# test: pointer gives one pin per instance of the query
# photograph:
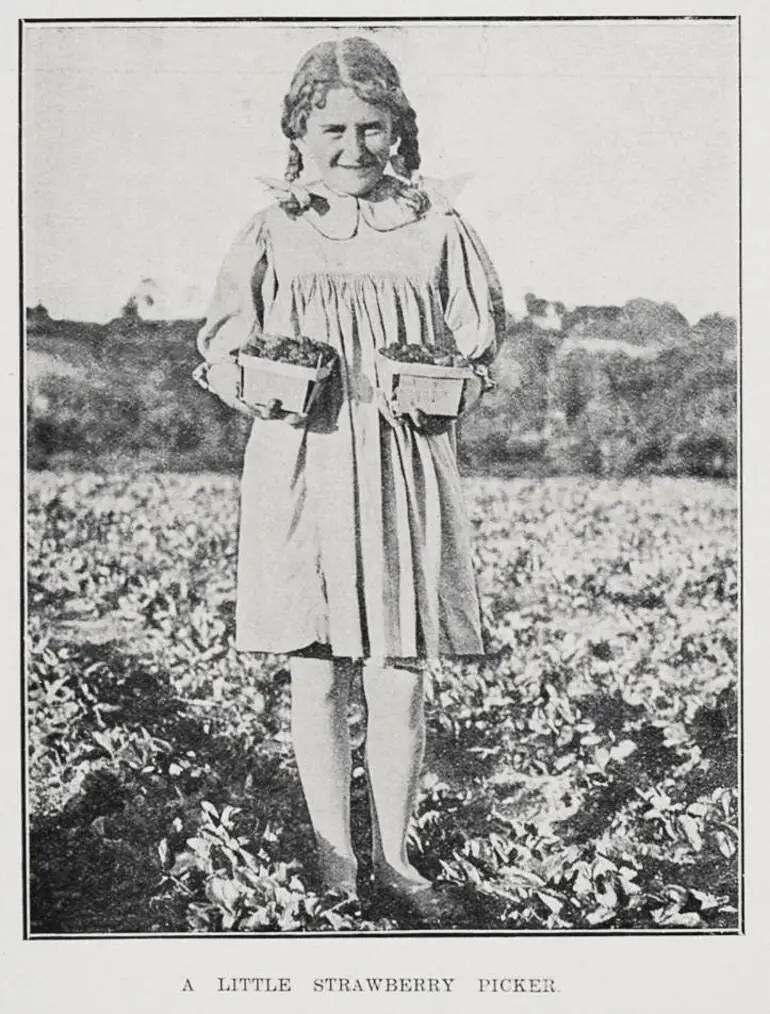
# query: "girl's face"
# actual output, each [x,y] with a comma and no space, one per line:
[349,140]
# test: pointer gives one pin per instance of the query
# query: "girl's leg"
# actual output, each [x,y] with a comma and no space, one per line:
[320,690]
[395,744]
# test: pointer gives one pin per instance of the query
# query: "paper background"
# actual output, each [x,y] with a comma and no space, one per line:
[603,975]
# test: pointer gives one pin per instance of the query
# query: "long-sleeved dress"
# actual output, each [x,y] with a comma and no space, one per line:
[353,532]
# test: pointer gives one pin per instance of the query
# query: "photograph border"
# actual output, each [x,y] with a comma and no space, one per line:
[310,21]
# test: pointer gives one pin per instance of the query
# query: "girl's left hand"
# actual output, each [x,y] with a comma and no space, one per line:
[431,424]
[428,424]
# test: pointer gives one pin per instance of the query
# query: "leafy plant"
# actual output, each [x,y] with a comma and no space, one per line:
[582,775]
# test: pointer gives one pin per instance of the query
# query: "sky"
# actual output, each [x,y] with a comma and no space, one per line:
[600,158]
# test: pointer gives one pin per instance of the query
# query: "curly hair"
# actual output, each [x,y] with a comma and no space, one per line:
[353,63]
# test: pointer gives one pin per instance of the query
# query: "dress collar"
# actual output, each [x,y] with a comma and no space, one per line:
[390,205]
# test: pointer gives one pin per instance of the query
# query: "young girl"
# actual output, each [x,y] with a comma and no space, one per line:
[354,546]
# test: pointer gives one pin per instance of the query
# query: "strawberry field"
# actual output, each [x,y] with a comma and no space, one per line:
[583,776]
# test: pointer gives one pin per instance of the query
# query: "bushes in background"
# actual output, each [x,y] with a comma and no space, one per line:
[588,391]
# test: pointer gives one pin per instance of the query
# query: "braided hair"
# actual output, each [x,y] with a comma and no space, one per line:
[358,64]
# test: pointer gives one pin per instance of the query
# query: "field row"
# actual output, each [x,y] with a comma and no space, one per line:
[583,775]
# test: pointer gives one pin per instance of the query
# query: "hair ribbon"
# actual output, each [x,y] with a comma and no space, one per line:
[287,192]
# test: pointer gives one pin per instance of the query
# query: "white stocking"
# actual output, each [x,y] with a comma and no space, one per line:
[395,744]
[320,690]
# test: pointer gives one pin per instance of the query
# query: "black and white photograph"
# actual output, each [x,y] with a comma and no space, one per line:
[381,480]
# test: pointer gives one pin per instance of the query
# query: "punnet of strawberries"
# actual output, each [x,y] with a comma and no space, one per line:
[296,351]
[430,355]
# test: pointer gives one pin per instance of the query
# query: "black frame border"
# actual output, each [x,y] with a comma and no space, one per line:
[310,22]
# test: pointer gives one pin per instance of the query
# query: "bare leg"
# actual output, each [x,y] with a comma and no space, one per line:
[320,689]
[395,744]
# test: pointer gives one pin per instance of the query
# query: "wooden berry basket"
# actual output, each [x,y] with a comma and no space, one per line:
[434,390]
[264,380]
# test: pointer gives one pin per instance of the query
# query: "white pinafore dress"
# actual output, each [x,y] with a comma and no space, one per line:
[353,532]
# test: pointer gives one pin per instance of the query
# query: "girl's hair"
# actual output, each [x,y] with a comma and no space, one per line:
[353,63]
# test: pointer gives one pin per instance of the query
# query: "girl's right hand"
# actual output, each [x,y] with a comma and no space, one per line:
[221,378]
[273,410]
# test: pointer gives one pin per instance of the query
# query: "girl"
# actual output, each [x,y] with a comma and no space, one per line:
[354,546]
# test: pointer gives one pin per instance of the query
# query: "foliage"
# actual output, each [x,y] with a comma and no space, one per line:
[101,396]
[583,775]
[608,391]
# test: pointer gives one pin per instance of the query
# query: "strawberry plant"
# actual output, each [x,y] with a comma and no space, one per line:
[582,775]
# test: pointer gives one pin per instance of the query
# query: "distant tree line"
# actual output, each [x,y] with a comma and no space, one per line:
[610,391]
[600,390]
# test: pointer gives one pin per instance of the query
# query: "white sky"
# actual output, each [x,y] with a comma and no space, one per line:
[604,155]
